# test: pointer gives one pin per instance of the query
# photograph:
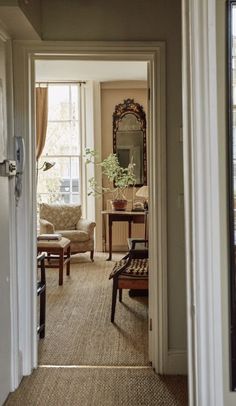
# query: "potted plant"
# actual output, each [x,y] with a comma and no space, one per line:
[119,178]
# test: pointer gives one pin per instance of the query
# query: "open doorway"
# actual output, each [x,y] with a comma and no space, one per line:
[82,96]
[163,360]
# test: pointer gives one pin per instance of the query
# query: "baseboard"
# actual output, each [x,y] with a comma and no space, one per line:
[176,363]
[118,248]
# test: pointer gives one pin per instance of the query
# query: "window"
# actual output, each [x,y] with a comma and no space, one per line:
[62,183]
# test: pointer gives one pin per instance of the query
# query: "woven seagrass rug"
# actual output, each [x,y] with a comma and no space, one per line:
[78,327]
[99,387]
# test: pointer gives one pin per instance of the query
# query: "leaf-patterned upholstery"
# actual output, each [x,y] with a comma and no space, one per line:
[66,219]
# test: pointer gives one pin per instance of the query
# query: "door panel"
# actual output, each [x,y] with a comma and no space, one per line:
[5,321]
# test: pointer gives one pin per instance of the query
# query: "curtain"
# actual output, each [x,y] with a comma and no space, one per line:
[41,119]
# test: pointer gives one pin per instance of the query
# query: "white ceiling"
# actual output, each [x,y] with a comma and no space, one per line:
[90,70]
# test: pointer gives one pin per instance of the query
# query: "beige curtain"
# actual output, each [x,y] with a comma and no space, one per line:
[41,119]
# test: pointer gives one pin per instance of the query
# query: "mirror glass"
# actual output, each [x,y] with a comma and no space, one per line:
[232,182]
[129,137]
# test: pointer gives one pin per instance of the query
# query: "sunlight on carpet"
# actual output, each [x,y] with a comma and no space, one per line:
[78,327]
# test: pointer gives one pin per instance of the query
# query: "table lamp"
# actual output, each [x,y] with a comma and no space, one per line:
[143,192]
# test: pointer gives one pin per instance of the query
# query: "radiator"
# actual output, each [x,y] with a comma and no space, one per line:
[120,233]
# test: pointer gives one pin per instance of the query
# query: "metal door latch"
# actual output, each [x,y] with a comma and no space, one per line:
[8,168]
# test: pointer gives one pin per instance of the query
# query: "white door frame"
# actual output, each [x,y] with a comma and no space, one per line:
[202,203]
[25,54]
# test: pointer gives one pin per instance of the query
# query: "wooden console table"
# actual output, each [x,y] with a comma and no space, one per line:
[127,216]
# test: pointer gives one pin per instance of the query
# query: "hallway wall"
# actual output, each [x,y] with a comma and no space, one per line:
[141,21]
[113,93]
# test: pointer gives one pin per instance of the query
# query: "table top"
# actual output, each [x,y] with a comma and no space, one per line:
[124,212]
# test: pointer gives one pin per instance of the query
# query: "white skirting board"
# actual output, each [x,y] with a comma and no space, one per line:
[176,363]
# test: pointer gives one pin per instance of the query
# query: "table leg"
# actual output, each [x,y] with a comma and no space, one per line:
[129,228]
[61,263]
[110,239]
[68,263]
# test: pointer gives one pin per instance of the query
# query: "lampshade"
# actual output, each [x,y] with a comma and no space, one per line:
[143,192]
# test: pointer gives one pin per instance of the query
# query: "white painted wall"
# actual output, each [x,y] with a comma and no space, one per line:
[132,21]
[5,315]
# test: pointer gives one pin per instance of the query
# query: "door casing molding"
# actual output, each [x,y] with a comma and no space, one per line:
[202,203]
[25,53]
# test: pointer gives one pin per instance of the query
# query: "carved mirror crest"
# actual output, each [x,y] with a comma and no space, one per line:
[129,138]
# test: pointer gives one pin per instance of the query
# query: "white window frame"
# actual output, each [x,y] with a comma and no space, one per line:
[51,157]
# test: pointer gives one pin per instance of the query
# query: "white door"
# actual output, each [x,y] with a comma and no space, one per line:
[5,321]
[5,298]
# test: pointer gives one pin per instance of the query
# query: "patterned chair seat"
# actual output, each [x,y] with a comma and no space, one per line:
[131,272]
[136,268]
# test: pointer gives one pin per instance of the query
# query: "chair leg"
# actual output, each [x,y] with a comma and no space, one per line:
[120,295]
[61,265]
[91,255]
[114,294]
[68,263]
[42,313]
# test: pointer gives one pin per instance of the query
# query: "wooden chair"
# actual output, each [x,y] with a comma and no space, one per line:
[131,272]
[41,292]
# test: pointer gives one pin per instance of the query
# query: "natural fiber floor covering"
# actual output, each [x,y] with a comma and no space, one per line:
[99,387]
[78,327]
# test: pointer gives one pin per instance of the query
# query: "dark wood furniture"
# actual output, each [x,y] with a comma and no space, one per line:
[130,273]
[59,249]
[126,216]
[41,292]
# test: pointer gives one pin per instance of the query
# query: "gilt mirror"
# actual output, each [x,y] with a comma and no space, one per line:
[129,138]
[232,182]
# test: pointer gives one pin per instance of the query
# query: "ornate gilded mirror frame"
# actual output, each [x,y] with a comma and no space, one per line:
[122,110]
[231,63]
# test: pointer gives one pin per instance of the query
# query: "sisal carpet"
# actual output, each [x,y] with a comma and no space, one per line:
[99,387]
[78,327]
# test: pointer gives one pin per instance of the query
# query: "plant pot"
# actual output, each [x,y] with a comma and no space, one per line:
[119,204]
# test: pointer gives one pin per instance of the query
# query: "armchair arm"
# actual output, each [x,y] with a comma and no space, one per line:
[86,225]
[46,227]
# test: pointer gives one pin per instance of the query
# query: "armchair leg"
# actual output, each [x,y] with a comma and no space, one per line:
[120,295]
[114,294]
[91,255]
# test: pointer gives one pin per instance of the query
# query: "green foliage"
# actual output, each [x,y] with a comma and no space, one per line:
[119,178]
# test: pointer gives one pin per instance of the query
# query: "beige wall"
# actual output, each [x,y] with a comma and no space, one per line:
[114,93]
[136,20]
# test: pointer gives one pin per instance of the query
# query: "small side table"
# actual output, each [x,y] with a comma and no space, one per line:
[61,250]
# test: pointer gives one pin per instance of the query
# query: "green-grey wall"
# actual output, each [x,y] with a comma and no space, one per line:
[32,10]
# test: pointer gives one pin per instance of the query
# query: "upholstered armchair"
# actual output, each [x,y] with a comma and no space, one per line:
[66,219]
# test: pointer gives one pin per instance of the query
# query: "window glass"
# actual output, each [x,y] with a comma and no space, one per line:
[61,183]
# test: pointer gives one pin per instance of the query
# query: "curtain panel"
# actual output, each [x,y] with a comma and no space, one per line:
[41,119]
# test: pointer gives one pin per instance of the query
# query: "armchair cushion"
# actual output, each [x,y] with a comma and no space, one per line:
[63,217]
[74,235]
[46,227]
